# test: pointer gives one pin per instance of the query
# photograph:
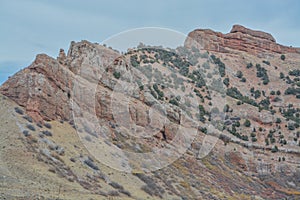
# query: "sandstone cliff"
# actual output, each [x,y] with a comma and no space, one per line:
[239,38]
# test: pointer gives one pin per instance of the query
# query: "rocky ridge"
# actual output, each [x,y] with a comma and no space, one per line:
[82,83]
[239,38]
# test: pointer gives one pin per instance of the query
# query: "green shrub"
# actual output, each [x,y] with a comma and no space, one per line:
[262,73]
[278,120]
[292,91]
[158,91]
[249,65]
[19,110]
[47,133]
[174,102]
[226,82]
[134,61]
[26,133]
[266,62]
[30,127]
[247,123]
[239,74]
[116,185]
[47,125]
[117,75]
[272,92]
[274,149]
[295,72]
[28,118]
[89,162]
[221,65]
[282,57]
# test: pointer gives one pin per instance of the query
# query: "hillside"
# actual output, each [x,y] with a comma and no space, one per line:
[217,118]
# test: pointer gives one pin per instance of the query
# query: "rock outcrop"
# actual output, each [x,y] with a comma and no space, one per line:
[239,38]
[45,88]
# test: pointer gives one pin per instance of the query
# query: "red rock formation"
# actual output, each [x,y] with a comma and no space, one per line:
[239,38]
[45,88]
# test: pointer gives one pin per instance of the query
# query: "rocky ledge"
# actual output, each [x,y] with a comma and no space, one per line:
[240,38]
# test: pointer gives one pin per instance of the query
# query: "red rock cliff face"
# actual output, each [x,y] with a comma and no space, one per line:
[239,38]
[45,88]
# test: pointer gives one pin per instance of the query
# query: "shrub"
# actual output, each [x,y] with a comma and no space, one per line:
[26,133]
[134,61]
[267,141]
[150,187]
[19,110]
[117,75]
[158,91]
[174,102]
[262,73]
[249,65]
[272,92]
[39,125]
[226,108]
[125,192]
[116,185]
[226,82]
[148,190]
[245,138]
[220,64]
[47,133]
[257,94]
[113,193]
[266,62]
[274,149]
[29,119]
[47,125]
[91,164]
[295,72]
[278,92]
[239,74]
[30,127]
[292,91]
[291,126]
[247,123]
[282,57]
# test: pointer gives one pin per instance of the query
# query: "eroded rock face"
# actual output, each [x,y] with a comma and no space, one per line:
[43,89]
[47,85]
[258,34]
[239,38]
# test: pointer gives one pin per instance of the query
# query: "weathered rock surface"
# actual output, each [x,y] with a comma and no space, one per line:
[46,86]
[239,38]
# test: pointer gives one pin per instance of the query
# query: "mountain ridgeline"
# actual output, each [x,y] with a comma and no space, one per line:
[216,118]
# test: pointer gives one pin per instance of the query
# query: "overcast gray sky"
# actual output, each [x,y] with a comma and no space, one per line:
[29,27]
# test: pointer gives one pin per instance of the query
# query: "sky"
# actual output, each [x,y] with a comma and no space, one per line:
[30,27]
